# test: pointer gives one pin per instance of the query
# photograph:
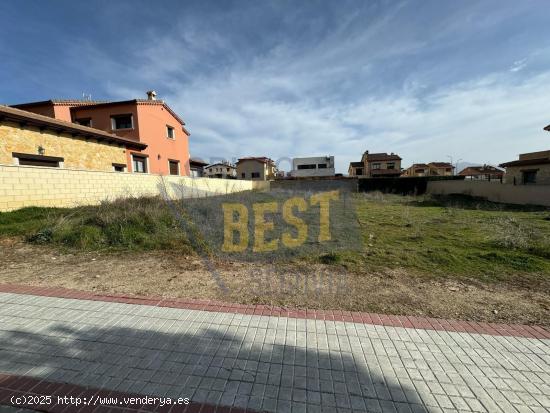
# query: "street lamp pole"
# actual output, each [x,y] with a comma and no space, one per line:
[451,158]
[456,164]
[456,167]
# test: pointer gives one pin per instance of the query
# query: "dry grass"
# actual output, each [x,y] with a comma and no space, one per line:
[509,232]
[174,275]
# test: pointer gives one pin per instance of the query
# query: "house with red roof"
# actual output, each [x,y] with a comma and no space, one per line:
[417,169]
[376,165]
[482,173]
[441,169]
[256,168]
[430,169]
[150,122]
[34,140]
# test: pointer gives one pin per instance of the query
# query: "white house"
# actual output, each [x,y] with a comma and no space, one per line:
[313,166]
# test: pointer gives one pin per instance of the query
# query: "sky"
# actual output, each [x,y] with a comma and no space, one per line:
[428,80]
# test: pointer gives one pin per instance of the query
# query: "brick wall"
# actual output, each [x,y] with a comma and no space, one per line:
[22,186]
[77,152]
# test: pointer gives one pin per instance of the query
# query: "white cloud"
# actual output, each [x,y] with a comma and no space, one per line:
[337,96]
[491,119]
[518,65]
[487,120]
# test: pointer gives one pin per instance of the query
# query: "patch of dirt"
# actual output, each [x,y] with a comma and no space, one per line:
[288,285]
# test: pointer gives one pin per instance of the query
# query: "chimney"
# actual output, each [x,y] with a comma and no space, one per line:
[151,95]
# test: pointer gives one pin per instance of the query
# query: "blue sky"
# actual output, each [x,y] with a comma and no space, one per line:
[425,79]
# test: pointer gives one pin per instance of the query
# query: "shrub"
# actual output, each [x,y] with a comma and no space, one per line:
[41,237]
[330,258]
[130,223]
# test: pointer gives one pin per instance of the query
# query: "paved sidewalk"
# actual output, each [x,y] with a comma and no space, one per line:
[267,363]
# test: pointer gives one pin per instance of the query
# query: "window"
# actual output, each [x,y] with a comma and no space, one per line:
[84,122]
[27,159]
[529,177]
[375,166]
[310,166]
[139,163]
[170,133]
[390,165]
[243,175]
[119,167]
[174,167]
[420,171]
[227,169]
[255,174]
[359,171]
[122,122]
[322,166]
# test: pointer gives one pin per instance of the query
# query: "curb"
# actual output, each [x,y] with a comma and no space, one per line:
[427,323]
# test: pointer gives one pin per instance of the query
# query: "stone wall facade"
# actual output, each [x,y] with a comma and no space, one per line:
[77,152]
[514,174]
[22,186]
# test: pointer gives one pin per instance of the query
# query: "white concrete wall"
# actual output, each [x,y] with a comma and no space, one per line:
[510,194]
[22,186]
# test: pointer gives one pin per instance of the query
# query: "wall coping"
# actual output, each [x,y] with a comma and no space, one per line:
[95,171]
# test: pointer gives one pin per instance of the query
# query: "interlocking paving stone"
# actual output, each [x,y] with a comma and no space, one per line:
[270,363]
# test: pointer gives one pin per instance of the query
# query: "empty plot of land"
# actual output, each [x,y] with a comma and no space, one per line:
[414,256]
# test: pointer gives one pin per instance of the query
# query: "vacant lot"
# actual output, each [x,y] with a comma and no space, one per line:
[452,258]
[455,237]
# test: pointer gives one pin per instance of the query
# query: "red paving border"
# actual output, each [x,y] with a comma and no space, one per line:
[14,390]
[515,330]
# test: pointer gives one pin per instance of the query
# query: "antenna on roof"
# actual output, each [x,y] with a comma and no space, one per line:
[86,96]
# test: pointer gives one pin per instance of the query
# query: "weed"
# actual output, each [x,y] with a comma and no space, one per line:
[508,232]
[424,235]
[43,236]
[438,237]
[374,196]
[330,258]
[130,223]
